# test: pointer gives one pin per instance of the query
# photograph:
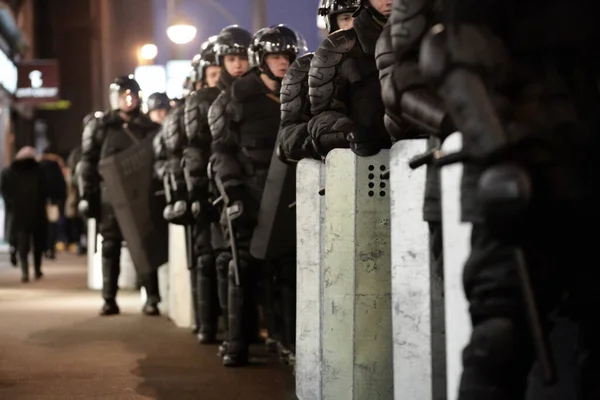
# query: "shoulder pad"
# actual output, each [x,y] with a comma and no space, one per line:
[333,48]
[298,71]
[216,112]
[408,24]
[384,52]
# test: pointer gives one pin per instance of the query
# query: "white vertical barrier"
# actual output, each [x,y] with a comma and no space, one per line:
[411,278]
[356,305]
[457,236]
[310,215]
[127,277]
[180,290]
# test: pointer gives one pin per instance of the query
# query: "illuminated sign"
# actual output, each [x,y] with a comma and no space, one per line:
[38,81]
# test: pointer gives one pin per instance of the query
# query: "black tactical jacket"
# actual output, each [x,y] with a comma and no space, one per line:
[244,122]
[345,92]
[108,136]
[294,141]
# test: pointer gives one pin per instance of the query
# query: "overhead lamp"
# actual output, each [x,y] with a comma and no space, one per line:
[148,52]
[181,31]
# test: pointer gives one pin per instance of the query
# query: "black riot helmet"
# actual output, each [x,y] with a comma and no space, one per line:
[158,101]
[232,40]
[278,39]
[125,85]
[206,58]
[329,9]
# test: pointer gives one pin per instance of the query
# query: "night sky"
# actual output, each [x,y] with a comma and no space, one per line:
[300,15]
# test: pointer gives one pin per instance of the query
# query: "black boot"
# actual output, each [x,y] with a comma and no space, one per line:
[13,256]
[235,360]
[151,309]
[110,307]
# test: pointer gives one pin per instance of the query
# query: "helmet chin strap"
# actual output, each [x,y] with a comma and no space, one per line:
[264,68]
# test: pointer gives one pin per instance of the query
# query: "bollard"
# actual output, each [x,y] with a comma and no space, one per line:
[457,239]
[180,290]
[356,305]
[310,215]
[417,297]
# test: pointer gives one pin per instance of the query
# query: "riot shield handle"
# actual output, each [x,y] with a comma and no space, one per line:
[234,211]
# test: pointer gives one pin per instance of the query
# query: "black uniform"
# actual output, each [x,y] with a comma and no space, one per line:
[103,138]
[527,105]
[294,141]
[344,89]
[244,123]
[208,244]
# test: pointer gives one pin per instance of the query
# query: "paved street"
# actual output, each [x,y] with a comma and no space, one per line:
[54,346]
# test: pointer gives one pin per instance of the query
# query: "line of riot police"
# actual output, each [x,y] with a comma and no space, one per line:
[526,109]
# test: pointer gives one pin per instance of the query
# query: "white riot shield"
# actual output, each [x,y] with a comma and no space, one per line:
[457,236]
[411,276]
[180,291]
[356,305]
[310,217]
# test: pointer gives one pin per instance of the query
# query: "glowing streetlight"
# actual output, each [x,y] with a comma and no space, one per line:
[181,31]
[148,52]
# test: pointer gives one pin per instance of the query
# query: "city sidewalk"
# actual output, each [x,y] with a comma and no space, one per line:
[53,346]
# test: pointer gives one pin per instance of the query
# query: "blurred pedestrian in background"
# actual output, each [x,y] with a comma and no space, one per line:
[74,222]
[24,190]
[53,165]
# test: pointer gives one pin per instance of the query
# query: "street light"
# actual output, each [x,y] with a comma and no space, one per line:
[148,52]
[181,31]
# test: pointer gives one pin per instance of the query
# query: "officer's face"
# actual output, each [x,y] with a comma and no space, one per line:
[158,116]
[383,6]
[236,65]
[212,75]
[128,101]
[344,21]
[278,64]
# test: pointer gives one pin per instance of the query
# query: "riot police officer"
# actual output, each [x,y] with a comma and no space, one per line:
[244,133]
[526,103]
[159,105]
[413,110]
[294,141]
[206,230]
[344,86]
[231,50]
[114,132]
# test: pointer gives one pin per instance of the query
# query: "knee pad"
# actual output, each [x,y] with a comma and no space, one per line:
[110,247]
[492,346]
[222,263]
[206,265]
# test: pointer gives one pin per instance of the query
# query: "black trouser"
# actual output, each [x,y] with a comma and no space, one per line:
[284,304]
[207,297]
[25,239]
[111,259]
[75,229]
[242,311]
